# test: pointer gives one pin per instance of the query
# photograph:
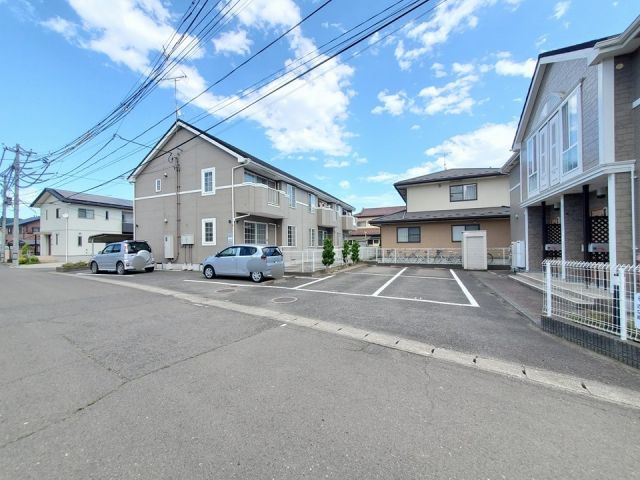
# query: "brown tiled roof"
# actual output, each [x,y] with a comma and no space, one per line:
[379,211]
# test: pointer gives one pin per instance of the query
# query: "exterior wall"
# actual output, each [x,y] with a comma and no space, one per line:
[561,79]
[491,192]
[573,227]
[77,227]
[152,208]
[623,219]
[517,212]
[438,234]
[29,233]
[534,239]
[625,129]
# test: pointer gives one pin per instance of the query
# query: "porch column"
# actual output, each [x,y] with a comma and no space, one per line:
[611,210]
[534,217]
[623,220]
[586,215]
[573,227]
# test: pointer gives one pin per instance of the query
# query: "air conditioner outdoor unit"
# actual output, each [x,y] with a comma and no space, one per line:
[186,239]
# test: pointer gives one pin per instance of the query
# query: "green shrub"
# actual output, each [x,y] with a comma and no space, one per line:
[75,265]
[328,254]
[34,260]
[355,251]
[345,251]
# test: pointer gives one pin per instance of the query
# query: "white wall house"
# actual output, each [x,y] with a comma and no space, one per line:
[69,219]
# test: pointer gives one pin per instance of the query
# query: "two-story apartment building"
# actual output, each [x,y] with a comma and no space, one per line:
[196,194]
[576,147]
[442,205]
[70,220]
[366,234]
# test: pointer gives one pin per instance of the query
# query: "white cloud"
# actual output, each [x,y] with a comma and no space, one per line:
[415,127]
[452,98]
[233,42]
[393,104]
[67,29]
[542,39]
[333,163]
[507,67]
[462,68]
[359,160]
[438,70]
[307,115]
[487,146]
[560,9]
[344,184]
[449,17]
[389,197]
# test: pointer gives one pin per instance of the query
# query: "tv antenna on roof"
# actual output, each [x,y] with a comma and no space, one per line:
[175,90]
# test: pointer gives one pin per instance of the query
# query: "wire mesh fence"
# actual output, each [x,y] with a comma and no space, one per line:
[598,295]
[310,259]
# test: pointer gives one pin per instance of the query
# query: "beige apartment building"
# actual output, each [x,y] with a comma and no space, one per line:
[442,205]
[194,194]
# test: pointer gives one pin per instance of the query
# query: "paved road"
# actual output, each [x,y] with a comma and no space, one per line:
[105,381]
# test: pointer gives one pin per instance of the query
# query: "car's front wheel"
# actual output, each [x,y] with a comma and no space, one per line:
[149,269]
[257,276]
[209,272]
[120,268]
[94,267]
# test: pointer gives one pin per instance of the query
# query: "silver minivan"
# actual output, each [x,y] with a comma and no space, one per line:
[254,261]
[122,257]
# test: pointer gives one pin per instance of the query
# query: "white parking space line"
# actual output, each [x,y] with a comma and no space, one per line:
[389,282]
[472,301]
[403,276]
[419,300]
[312,282]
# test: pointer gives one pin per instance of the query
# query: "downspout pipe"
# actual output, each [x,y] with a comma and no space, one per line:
[243,162]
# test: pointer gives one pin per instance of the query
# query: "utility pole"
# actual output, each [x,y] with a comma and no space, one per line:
[5,187]
[16,207]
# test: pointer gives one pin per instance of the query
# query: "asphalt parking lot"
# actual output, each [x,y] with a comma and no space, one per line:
[442,307]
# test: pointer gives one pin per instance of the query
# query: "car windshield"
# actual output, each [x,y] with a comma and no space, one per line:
[271,251]
[135,247]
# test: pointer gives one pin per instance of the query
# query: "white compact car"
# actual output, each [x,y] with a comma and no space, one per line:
[123,257]
[254,261]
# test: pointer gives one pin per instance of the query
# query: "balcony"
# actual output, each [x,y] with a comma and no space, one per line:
[327,217]
[127,227]
[259,200]
[348,222]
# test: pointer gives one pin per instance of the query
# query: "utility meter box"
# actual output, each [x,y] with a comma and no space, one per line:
[186,239]
[168,247]
[474,250]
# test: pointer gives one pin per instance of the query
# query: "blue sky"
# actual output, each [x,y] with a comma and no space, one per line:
[446,87]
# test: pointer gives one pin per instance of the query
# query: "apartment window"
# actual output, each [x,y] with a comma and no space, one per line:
[56,239]
[255,232]
[158,185]
[57,213]
[463,193]
[322,236]
[106,214]
[312,237]
[87,213]
[35,230]
[291,191]
[46,214]
[532,164]
[79,240]
[456,231]
[208,231]
[313,202]
[408,234]
[208,181]
[361,224]
[570,126]
[291,236]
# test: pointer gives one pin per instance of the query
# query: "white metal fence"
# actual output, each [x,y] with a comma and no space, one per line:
[446,256]
[310,260]
[599,295]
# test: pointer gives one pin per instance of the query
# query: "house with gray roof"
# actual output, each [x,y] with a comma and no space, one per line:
[442,205]
[75,225]
[195,194]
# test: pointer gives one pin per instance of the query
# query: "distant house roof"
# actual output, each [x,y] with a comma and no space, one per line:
[240,153]
[23,221]
[369,232]
[379,211]
[512,162]
[435,215]
[83,199]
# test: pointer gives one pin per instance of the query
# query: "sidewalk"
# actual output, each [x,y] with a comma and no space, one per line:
[524,299]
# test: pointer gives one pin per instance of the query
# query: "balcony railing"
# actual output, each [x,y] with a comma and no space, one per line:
[258,199]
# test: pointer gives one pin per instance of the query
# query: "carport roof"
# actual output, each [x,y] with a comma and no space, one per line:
[435,215]
[110,237]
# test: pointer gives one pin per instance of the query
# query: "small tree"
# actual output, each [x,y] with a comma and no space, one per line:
[328,254]
[345,251]
[355,251]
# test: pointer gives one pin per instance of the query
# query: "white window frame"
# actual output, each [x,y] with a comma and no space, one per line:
[204,222]
[87,215]
[203,173]
[313,202]
[578,168]
[255,239]
[294,237]
[312,237]
[291,191]
[158,185]
[533,179]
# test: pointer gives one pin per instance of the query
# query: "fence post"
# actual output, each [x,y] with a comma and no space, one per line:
[623,303]
[547,274]
[395,255]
